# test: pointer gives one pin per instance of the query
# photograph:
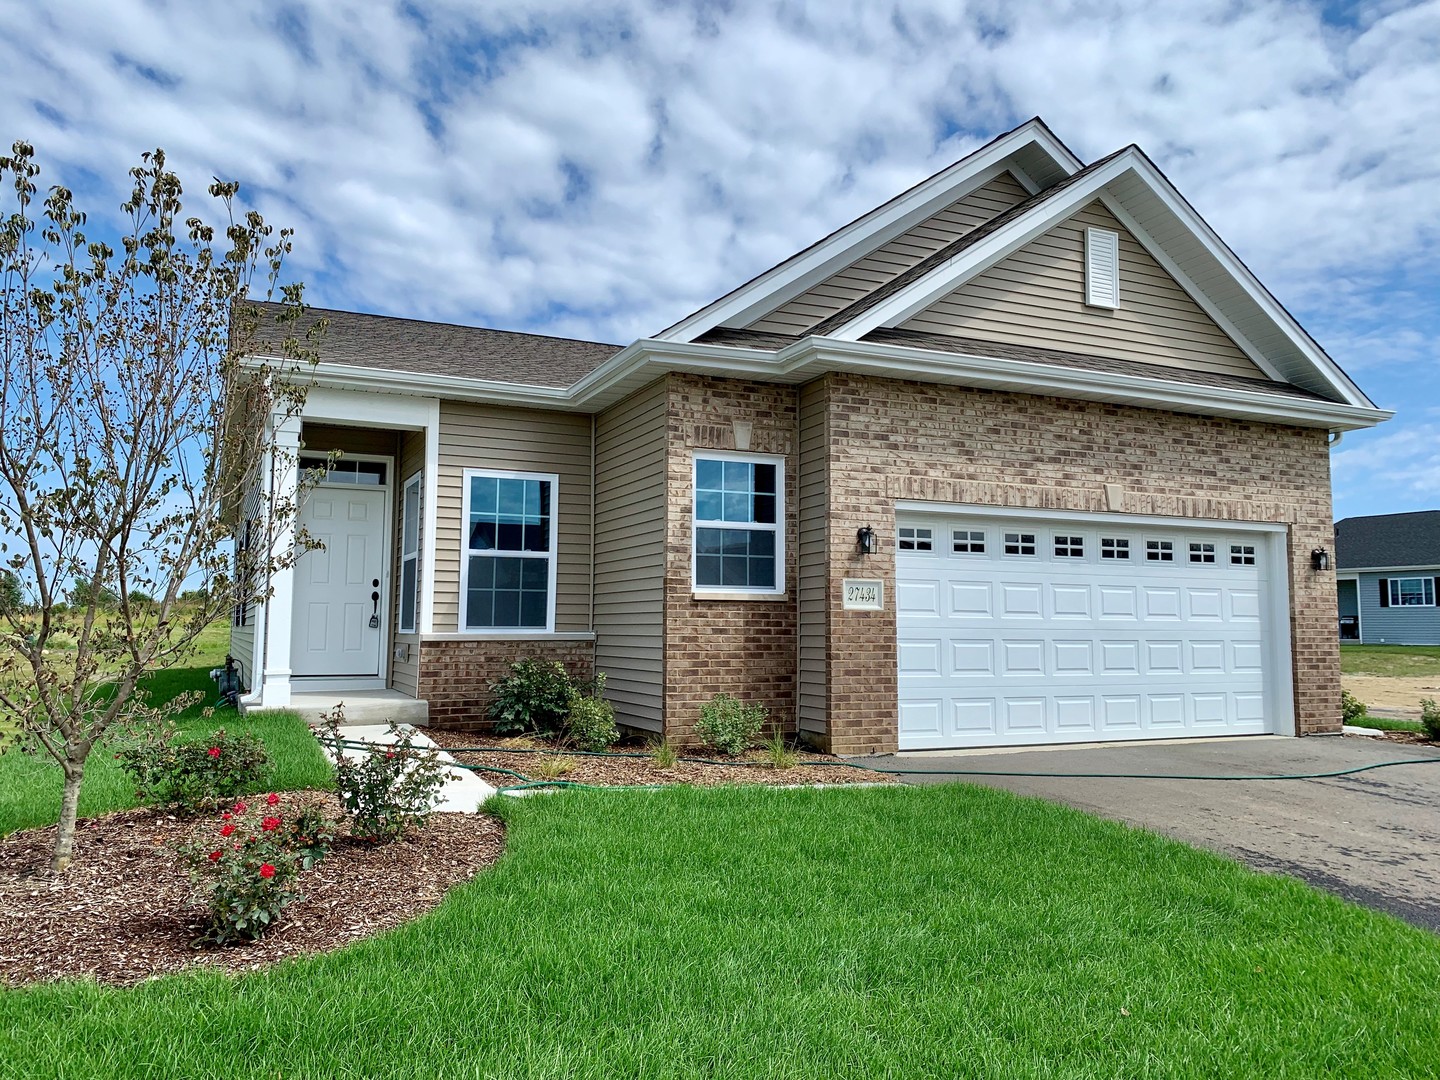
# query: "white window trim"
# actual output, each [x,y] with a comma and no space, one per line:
[417,481]
[719,591]
[465,553]
[1427,585]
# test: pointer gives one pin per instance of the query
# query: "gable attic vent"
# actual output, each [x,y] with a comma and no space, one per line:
[1102,268]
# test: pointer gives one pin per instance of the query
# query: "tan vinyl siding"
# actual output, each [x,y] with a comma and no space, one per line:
[405,674]
[630,504]
[242,648]
[813,564]
[1037,297]
[844,288]
[322,438]
[520,440]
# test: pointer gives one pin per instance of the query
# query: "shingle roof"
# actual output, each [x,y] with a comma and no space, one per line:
[1384,540]
[428,348]
[917,339]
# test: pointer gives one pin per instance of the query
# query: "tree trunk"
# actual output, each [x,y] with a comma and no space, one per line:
[69,807]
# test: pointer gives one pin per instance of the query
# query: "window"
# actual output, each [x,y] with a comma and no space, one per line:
[343,471]
[968,542]
[1242,554]
[508,574]
[1018,543]
[410,501]
[1159,551]
[1114,547]
[909,539]
[738,524]
[1202,553]
[1412,592]
[1070,547]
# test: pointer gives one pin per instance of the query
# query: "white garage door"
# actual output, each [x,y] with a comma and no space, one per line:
[1020,632]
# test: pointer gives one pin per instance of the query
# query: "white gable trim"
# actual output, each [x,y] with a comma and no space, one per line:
[943,279]
[782,283]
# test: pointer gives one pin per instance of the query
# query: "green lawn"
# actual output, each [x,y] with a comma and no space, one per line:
[1380,723]
[1393,661]
[898,932]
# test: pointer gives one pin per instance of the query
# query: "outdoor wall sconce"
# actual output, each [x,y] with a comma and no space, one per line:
[1320,559]
[865,538]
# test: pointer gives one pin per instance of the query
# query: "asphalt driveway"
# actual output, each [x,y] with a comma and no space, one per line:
[1373,837]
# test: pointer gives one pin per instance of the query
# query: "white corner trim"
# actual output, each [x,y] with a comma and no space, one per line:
[783,282]
[431,500]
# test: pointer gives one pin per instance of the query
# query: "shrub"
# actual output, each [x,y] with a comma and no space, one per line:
[199,775]
[390,786]
[246,866]
[591,723]
[1351,707]
[730,725]
[1430,718]
[533,698]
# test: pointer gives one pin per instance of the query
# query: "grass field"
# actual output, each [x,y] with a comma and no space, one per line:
[30,783]
[1390,661]
[741,932]
[1380,723]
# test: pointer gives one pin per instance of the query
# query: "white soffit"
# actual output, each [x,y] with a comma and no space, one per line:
[1031,151]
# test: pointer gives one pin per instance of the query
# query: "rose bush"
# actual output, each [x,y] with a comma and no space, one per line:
[198,775]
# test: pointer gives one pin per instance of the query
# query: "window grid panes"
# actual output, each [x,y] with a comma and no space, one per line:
[737,523]
[343,471]
[509,556]
[1114,547]
[1070,547]
[1202,553]
[409,555]
[1159,551]
[913,539]
[1412,592]
[1242,554]
[1018,543]
[968,541]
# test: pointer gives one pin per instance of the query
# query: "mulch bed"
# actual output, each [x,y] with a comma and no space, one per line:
[124,911]
[613,771]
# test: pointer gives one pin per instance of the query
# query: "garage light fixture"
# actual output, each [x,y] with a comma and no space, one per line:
[865,540]
[1320,559]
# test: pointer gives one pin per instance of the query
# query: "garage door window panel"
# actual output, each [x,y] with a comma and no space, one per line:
[738,522]
[914,538]
[1114,547]
[1020,543]
[968,541]
[1159,551]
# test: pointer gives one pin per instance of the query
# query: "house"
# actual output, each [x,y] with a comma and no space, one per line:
[1025,455]
[1387,575]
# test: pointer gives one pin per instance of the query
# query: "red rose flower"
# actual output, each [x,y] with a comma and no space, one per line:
[225,816]
[239,807]
[271,799]
[227,829]
[270,824]
[266,870]
[389,754]
[214,751]
[214,856]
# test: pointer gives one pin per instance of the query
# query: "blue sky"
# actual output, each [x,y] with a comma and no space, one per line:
[599,168]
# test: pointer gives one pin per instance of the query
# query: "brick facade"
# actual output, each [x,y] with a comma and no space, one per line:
[741,647]
[455,676]
[890,440]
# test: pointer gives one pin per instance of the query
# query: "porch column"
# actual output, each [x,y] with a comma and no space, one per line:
[280,607]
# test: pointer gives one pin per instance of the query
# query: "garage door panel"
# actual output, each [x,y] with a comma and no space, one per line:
[1050,647]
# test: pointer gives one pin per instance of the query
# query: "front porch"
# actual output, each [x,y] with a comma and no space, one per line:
[362,706]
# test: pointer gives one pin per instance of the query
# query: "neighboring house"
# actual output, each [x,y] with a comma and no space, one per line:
[1387,578]
[1025,455]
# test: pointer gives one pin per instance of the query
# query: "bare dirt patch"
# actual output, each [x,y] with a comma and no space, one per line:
[124,911]
[1396,695]
[754,768]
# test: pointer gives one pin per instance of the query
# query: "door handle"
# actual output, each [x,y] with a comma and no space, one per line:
[375,610]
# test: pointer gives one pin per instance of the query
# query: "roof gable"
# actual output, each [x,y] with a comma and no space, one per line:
[1036,296]
[1388,540]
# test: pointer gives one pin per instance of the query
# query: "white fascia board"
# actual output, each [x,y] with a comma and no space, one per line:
[1353,570]
[950,275]
[1049,380]
[789,279]
[1005,241]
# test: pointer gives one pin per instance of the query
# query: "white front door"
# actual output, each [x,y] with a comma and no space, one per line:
[340,589]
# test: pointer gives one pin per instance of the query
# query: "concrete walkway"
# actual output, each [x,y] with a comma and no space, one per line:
[1369,837]
[463,793]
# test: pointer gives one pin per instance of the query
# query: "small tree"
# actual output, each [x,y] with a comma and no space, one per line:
[121,467]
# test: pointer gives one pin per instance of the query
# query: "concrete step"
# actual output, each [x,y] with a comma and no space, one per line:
[363,706]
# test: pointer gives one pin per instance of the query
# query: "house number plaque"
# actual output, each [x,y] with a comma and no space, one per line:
[864,594]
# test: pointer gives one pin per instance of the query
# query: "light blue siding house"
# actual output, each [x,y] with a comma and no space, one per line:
[1387,578]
